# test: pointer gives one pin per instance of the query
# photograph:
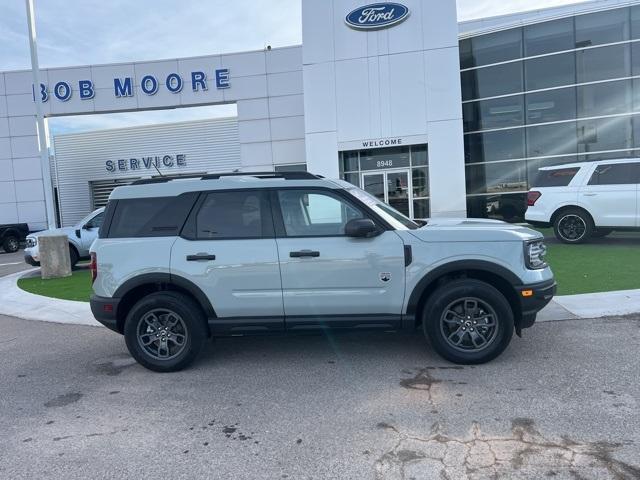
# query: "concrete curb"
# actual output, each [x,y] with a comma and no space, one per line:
[16,302]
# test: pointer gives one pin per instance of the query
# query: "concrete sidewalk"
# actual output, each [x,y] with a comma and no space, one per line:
[16,302]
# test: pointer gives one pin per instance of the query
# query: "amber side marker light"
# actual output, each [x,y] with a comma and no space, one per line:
[527,293]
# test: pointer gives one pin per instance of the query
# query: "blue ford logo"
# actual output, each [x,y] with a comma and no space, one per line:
[377,15]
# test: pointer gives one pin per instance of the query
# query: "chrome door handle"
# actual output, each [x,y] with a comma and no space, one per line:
[590,194]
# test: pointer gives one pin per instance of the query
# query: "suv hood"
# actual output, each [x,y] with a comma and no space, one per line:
[473,230]
[68,231]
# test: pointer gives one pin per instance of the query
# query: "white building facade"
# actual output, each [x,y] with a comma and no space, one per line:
[346,86]
[373,95]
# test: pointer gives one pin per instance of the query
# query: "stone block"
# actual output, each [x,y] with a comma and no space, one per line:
[54,256]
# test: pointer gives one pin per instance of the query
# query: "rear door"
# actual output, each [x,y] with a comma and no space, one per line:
[228,249]
[89,231]
[329,279]
[610,195]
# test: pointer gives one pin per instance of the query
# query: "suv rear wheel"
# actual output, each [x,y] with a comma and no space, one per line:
[165,331]
[468,321]
[573,226]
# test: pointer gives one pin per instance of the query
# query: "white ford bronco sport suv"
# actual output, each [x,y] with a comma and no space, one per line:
[177,261]
[585,200]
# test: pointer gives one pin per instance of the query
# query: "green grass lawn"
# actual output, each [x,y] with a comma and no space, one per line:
[612,263]
[76,287]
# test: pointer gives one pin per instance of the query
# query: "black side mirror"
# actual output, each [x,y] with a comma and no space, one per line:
[78,232]
[87,226]
[361,228]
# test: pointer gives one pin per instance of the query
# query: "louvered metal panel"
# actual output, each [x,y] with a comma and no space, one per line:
[101,189]
[83,180]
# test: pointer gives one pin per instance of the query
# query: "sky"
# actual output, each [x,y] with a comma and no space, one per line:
[82,32]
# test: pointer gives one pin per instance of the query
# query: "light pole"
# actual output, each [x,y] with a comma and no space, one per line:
[42,133]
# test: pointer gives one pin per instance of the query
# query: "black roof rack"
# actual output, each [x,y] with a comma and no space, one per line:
[147,181]
[216,176]
[284,175]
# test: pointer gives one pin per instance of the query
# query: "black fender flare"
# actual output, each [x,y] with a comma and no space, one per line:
[457,266]
[11,232]
[170,279]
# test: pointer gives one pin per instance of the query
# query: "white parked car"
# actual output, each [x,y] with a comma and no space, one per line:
[585,200]
[81,236]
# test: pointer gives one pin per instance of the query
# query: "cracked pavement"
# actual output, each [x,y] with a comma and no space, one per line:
[561,403]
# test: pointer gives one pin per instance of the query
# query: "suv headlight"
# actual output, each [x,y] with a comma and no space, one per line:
[31,242]
[534,253]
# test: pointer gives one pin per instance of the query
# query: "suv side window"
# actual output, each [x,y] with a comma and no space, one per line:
[233,215]
[313,213]
[616,174]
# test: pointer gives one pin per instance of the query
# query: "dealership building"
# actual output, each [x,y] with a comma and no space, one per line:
[435,117]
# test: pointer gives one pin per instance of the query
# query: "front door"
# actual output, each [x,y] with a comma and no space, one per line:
[329,279]
[89,231]
[392,187]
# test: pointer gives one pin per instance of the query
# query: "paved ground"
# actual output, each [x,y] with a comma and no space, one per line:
[12,262]
[561,403]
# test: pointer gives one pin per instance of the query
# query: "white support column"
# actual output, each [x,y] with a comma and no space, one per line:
[42,131]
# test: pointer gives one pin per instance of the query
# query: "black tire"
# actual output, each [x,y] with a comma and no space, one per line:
[442,328]
[73,256]
[601,232]
[573,226]
[11,244]
[192,326]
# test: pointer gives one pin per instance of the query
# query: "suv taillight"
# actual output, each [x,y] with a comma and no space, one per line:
[532,198]
[93,267]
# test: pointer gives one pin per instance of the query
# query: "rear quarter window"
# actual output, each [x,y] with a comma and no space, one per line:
[150,217]
[560,177]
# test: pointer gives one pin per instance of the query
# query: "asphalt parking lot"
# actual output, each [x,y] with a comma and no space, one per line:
[560,403]
[12,263]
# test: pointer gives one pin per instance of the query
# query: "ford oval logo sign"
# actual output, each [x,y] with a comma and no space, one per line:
[377,15]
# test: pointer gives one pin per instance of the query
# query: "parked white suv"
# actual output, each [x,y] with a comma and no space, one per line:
[585,200]
[81,236]
[178,261]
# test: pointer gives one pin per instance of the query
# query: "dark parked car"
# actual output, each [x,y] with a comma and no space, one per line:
[12,235]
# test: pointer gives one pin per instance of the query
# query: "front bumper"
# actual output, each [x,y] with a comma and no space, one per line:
[533,298]
[31,261]
[105,310]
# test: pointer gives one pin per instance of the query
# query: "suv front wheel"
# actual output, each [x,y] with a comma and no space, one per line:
[165,331]
[468,321]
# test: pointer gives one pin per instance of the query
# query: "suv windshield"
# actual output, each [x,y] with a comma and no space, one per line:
[390,214]
[88,217]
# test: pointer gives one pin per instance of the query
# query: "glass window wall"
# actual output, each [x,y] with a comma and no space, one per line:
[569,96]
[492,81]
[549,37]
[550,71]
[496,145]
[609,26]
[551,105]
